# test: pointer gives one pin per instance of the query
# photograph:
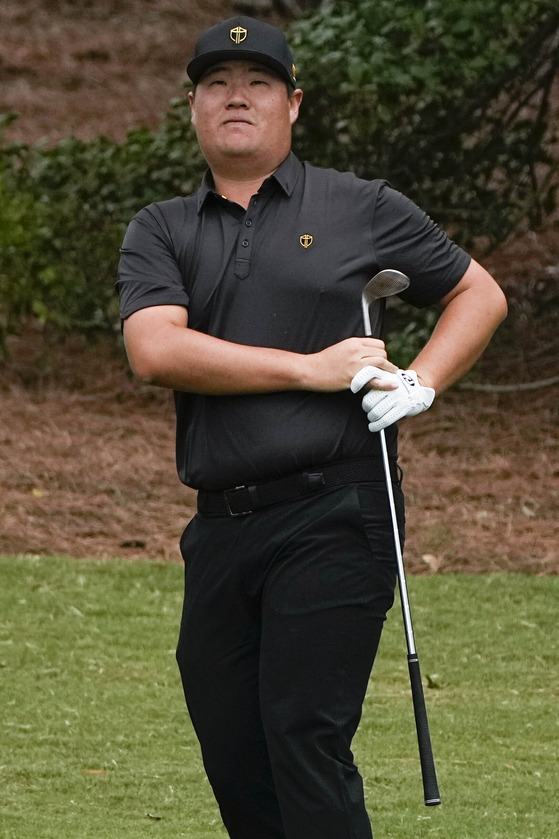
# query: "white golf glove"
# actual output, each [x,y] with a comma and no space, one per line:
[385,407]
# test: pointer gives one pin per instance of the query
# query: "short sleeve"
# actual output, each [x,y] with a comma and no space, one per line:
[149,272]
[406,238]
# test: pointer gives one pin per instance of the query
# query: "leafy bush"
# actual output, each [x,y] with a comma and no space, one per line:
[447,99]
[63,214]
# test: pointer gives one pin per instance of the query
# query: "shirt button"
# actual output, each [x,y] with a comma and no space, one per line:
[248,223]
[245,243]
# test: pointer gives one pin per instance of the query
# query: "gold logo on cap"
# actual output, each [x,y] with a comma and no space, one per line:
[306,240]
[238,34]
[294,72]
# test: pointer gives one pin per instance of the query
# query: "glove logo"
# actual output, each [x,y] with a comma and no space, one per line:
[385,407]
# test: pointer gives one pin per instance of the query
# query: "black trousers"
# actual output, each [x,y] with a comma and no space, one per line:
[282,617]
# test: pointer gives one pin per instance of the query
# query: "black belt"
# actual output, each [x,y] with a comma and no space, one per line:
[242,500]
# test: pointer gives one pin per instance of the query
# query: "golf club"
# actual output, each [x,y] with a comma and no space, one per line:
[383,285]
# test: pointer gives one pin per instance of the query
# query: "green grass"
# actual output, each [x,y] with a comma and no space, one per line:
[95,740]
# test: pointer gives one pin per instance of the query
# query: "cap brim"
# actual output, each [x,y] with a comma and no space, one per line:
[198,66]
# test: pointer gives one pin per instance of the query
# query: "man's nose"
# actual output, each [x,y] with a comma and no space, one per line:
[238,98]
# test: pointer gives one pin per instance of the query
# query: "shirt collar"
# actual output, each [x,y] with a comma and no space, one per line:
[285,176]
[287,173]
[206,188]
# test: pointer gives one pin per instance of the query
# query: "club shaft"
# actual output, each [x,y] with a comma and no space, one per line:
[406,612]
[431,793]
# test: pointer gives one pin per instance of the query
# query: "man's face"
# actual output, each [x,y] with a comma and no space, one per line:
[243,113]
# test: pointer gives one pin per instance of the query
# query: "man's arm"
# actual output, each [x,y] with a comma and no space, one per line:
[472,311]
[164,351]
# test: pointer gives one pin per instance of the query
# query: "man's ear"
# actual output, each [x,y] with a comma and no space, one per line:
[191,97]
[294,104]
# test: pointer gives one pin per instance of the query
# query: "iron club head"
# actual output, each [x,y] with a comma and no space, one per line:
[382,285]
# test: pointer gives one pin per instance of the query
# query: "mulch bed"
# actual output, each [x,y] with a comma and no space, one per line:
[87,467]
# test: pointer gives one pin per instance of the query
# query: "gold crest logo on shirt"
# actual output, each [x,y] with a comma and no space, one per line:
[238,34]
[306,240]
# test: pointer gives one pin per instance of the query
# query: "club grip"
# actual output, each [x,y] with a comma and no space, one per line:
[428,773]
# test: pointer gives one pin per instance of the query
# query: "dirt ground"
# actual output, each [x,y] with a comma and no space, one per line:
[86,453]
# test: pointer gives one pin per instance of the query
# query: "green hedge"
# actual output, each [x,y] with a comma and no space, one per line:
[63,212]
[447,100]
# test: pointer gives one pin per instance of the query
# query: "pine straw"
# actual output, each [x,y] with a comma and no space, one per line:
[482,485]
[87,469]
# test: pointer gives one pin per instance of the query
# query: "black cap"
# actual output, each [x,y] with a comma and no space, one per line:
[244,38]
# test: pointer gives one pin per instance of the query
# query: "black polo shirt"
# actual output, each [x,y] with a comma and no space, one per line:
[286,273]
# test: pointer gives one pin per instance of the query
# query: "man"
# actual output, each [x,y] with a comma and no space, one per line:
[244,298]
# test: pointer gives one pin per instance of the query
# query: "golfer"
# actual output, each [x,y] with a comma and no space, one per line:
[245,299]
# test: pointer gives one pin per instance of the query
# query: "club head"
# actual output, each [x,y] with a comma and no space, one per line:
[384,284]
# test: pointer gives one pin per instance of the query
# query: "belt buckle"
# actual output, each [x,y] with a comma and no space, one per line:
[227,493]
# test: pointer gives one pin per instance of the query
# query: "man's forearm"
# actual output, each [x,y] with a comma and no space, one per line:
[463,331]
[164,351]
[195,362]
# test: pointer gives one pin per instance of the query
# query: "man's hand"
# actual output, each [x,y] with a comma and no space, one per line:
[385,407]
[333,368]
